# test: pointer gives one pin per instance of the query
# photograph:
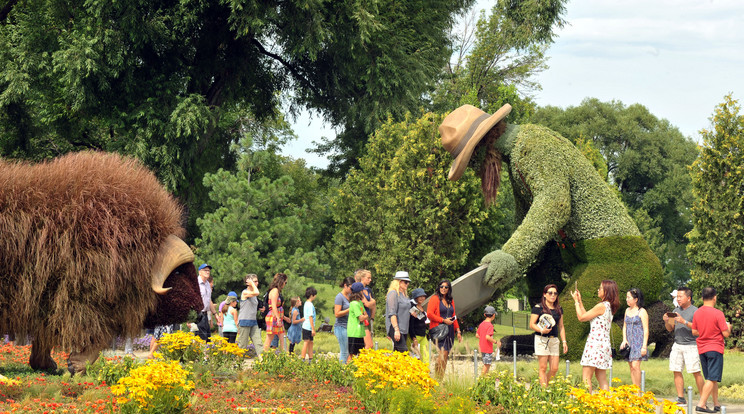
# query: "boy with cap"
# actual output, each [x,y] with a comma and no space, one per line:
[418,326]
[485,338]
[358,318]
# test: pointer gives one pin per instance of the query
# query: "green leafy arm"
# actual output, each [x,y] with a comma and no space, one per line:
[547,179]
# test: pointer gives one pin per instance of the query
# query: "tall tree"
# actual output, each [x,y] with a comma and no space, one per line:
[495,64]
[171,82]
[647,161]
[269,218]
[717,239]
[398,211]
[496,57]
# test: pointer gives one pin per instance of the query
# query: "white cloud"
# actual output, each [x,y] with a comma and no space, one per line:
[678,58]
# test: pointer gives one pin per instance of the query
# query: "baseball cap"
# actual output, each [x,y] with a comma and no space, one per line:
[204,265]
[357,287]
[490,310]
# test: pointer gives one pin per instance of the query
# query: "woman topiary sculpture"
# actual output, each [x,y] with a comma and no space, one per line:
[561,202]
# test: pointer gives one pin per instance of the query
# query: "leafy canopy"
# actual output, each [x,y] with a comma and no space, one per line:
[267,220]
[174,83]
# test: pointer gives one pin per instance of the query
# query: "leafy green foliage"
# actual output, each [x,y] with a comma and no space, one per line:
[323,368]
[264,223]
[501,389]
[717,238]
[109,371]
[398,211]
[496,58]
[646,160]
[176,83]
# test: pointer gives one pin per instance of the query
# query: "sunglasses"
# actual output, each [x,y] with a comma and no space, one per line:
[444,287]
[551,293]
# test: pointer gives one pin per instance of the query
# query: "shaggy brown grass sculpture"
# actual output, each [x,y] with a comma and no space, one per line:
[79,236]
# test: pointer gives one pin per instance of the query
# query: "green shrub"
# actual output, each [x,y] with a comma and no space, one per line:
[323,368]
[500,388]
[411,400]
[111,370]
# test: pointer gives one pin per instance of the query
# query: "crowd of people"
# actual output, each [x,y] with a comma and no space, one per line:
[408,322]
[411,326]
[699,339]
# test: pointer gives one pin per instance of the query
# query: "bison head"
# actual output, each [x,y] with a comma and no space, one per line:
[174,279]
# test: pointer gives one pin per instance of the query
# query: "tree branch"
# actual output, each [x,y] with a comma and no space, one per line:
[287,65]
[6,10]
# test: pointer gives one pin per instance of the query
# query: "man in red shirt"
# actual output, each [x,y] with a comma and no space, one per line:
[710,326]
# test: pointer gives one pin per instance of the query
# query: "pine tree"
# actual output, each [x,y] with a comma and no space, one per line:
[716,247]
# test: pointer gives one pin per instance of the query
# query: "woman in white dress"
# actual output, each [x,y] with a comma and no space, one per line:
[597,357]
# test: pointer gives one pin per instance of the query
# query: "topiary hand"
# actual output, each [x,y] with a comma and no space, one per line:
[502,268]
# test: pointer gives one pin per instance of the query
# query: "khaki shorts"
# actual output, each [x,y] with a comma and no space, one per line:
[684,355]
[546,345]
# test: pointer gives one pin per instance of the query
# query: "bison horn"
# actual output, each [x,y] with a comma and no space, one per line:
[173,253]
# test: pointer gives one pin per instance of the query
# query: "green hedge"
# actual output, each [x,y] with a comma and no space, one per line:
[625,259]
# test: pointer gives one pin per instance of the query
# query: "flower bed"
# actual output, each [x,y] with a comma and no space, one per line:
[376,381]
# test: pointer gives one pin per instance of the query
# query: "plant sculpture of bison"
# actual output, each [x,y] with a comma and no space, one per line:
[90,248]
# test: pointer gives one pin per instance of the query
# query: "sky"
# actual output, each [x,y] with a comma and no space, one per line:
[678,58]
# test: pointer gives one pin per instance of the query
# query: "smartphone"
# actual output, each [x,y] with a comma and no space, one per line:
[454,318]
[671,315]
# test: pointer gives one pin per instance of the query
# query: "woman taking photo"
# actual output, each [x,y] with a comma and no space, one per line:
[397,307]
[275,318]
[547,330]
[341,311]
[597,357]
[441,310]
[635,333]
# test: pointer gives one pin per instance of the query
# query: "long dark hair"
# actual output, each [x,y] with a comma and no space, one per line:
[278,281]
[636,294]
[448,295]
[490,171]
[610,294]
[556,304]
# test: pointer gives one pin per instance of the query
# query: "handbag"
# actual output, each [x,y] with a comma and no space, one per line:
[624,352]
[439,332]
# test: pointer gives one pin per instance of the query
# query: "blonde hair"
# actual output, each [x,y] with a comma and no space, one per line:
[295,302]
[359,274]
[395,285]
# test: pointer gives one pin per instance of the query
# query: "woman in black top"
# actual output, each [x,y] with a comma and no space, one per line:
[419,326]
[547,332]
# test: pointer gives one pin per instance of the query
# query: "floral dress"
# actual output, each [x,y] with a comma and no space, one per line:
[634,335]
[597,351]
